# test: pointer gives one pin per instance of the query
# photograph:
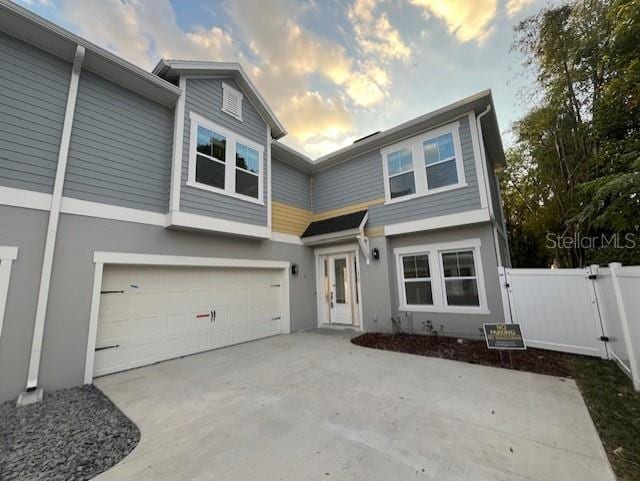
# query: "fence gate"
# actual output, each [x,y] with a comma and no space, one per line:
[556,308]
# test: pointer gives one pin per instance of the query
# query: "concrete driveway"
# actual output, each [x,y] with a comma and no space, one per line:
[313,406]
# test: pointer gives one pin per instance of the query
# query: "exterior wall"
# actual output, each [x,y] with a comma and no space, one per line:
[463,325]
[120,149]
[290,186]
[204,97]
[291,199]
[32,106]
[25,229]
[67,326]
[361,179]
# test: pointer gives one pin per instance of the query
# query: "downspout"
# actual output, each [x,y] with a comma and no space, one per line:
[32,393]
[486,184]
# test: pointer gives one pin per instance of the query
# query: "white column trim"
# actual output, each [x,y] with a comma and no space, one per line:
[478,157]
[269,140]
[54,215]
[178,140]
[7,256]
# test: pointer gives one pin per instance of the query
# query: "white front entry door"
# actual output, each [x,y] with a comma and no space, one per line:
[341,303]
[149,314]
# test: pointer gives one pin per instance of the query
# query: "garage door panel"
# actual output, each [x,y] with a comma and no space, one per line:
[156,317]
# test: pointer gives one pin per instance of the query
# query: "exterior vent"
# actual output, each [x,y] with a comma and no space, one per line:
[231,101]
[366,137]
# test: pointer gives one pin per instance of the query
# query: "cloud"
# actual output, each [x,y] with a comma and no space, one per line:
[467,19]
[514,6]
[313,117]
[375,34]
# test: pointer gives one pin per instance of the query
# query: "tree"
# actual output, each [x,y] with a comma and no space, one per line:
[575,167]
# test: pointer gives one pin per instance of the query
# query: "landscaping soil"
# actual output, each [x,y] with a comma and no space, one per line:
[474,352]
[72,435]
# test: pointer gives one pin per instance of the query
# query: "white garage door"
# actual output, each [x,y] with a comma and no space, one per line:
[149,314]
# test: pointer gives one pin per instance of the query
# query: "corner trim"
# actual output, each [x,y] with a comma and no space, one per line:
[7,256]
[178,141]
[451,220]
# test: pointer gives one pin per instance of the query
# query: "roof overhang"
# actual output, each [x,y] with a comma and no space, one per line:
[476,103]
[172,69]
[334,229]
[35,30]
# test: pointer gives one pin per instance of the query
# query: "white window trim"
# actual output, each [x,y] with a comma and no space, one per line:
[419,166]
[232,139]
[226,88]
[435,251]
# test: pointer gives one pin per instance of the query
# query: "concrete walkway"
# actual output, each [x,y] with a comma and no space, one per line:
[311,406]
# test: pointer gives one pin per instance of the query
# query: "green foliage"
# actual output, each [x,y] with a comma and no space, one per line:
[575,167]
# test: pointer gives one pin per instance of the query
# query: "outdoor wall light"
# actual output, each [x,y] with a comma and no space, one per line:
[294,269]
[375,253]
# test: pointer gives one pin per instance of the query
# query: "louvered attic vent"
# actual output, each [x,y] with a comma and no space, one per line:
[231,101]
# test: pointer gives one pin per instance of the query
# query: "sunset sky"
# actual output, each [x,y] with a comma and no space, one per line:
[332,71]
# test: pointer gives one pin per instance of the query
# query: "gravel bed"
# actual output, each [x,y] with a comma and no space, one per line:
[73,434]
[475,352]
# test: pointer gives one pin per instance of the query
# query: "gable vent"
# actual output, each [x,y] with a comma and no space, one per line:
[231,101]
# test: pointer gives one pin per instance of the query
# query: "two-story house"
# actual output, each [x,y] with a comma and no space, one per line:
[146,216]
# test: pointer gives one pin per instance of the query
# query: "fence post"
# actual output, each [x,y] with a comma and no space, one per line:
[504,292]
[593,271]
[625,325]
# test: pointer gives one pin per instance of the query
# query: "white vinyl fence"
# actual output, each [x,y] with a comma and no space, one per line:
[593,311]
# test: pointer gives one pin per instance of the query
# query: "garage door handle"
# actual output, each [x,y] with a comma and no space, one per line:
[276,318]
[213,316]
[107,347]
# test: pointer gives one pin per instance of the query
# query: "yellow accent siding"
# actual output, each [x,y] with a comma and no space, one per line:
[348,209]
[288,219]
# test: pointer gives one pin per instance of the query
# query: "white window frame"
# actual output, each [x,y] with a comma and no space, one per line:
[229,90]
[232,139]
[419,162]
[438,289]
[404,280]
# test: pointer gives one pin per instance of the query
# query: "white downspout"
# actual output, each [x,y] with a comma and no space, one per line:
[486,183]
[54,215]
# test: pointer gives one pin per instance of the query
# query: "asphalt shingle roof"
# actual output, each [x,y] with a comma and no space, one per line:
[335,224]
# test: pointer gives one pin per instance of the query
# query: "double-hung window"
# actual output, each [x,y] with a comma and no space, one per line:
[400,172]
[441,278]
[424,164]
[224,162]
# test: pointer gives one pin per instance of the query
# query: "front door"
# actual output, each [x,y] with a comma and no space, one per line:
[340,301]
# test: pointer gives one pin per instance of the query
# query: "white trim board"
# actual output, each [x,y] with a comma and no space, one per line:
[178,140]
[200,222]
[7,256]
[286,238]
[101,259]
[452,220]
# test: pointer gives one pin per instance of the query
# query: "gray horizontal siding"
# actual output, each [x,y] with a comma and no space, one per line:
[290,185]
[120,151]
[434,205]
[355,180]
[204,97]
[32,106]
[361,179]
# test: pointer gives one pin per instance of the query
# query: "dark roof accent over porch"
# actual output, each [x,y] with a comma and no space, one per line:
[335,224]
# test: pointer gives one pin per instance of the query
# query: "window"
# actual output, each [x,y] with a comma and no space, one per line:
[400,168]
[460,281]
[222,161]
[441,278]
[231,101]
[247,170]
[210,161]
[427,163]
[440,160]
[417,280]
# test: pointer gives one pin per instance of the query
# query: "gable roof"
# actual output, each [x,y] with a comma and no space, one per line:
[35,30]
[172,69]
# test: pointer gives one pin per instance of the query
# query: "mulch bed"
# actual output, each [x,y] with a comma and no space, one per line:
[474,352]
[73,434]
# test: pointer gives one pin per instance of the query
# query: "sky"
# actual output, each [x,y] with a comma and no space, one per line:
[333,71]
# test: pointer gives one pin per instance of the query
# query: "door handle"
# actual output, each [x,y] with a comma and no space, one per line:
[213,316]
